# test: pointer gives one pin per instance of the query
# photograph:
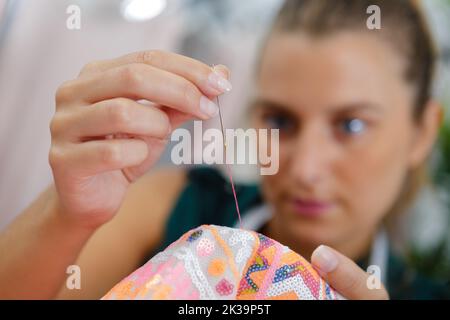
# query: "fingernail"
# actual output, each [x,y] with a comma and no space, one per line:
[324,259]
[208,107]
[218,82]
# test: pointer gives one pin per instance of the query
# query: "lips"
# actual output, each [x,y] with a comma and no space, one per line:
[311,208]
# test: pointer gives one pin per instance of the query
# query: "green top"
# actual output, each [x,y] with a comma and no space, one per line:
[208,199]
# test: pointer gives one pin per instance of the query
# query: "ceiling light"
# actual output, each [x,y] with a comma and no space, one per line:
[142,10]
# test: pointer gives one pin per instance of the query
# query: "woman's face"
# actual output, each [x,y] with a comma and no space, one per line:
[346,133]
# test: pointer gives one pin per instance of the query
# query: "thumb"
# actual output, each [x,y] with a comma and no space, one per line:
[345,276]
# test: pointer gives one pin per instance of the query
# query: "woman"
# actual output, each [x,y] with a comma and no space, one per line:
[356,124]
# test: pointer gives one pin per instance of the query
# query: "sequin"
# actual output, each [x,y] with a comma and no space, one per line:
[212,262]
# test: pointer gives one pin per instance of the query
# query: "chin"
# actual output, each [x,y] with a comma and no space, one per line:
[310,232]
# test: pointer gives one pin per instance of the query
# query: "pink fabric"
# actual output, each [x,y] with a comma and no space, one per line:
[212,262]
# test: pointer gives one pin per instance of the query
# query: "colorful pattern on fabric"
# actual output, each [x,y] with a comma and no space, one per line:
[212,262]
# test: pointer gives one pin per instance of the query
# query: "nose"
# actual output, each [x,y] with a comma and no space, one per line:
[310,157]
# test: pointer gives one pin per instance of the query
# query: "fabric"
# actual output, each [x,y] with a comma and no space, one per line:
[207,199]
[212,262]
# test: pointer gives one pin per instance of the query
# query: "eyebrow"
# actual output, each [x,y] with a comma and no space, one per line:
[271,104]
[351,107]
[360,106]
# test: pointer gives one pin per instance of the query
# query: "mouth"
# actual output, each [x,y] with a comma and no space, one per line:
[311,208]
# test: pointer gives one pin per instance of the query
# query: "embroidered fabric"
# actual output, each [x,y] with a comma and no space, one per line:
[213,262]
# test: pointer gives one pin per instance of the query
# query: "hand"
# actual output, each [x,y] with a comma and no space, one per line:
[344,275]
[103,138]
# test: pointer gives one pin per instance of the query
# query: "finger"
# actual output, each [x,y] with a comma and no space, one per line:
[112,116]
[176,117]
[156,146]
[98,156]
[344,275]
[138,82]
[211,81]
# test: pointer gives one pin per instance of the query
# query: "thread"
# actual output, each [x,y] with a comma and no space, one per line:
[230,176]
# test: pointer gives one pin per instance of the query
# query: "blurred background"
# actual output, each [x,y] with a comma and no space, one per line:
[38,52]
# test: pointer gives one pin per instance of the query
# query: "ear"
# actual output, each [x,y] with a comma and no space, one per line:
[427,130]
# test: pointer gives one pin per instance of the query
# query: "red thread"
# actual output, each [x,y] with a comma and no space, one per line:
[234,194]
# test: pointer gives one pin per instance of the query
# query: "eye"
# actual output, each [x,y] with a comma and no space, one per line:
[279,121]
[353,126]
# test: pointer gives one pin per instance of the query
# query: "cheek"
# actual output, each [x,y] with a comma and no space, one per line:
[273,186]
[373,178]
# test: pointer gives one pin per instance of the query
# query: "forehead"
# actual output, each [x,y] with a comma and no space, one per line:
[338,69]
